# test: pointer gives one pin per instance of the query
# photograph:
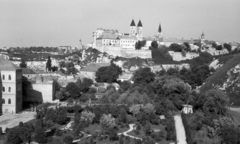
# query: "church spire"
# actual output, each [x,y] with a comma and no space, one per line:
[139,24]
[132,23]
[159,28]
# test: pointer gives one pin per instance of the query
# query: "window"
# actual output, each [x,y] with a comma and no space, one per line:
[3,77]
[3,89]
[9,89]
[9,101]
[9,77]
[3,101]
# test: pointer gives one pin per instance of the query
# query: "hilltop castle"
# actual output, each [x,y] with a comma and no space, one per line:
[123,44]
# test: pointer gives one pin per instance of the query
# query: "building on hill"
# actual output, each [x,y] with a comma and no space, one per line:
[11,81]
[90,70]
[108,39]
[128,42]
[28,73]
[42,89]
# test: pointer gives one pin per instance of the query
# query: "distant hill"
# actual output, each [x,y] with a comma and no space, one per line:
[226,78]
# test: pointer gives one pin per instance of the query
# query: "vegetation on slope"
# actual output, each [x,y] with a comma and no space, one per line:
[221,76]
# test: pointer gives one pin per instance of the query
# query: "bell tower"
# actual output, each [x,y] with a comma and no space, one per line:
[133,29]
[140,29]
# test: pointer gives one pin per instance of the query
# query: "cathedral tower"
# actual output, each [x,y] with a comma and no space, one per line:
[140,29]
[133,29]
[159,33]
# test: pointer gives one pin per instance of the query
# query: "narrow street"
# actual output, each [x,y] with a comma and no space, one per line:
[180,130]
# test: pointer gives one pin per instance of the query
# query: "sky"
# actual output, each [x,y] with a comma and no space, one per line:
[25,23]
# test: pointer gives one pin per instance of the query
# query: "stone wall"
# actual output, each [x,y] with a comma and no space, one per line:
[126,52]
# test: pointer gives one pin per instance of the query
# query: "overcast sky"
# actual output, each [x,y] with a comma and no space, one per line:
[64,22]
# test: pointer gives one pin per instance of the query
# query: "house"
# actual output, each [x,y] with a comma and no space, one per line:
[125,77]
[11,81]
[28,73]
[90,70]
[42,90]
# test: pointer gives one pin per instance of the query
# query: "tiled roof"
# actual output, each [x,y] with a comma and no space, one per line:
[93,67]
[126,76]
[108,36]
[27,71]
[128,37]
[7,65]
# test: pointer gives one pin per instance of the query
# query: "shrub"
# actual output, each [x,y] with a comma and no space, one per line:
[68,139]
[136,132]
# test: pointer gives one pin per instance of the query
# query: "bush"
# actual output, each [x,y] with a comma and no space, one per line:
[136,132]
[58,132]
[68,139]
[189,138]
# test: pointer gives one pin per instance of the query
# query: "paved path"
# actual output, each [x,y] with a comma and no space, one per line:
[180,131]
[12,120]
[130,129]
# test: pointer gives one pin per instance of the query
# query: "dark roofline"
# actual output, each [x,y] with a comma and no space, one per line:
[132,23]
[139,24]
[160,28]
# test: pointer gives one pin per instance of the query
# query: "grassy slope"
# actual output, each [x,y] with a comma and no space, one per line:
[220,76]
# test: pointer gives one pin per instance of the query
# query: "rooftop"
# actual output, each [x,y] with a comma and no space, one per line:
[93,67]
[128,37]
[7,65]
[108,36]
[27,71]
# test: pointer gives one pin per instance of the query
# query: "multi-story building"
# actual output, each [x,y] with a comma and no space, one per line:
[128,41]
[11,81]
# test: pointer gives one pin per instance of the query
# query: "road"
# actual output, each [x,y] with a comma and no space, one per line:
[180,130]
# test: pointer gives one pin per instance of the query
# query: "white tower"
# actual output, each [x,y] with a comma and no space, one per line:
[133,29]
[140,29]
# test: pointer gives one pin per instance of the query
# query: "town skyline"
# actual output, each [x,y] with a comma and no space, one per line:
[52,23]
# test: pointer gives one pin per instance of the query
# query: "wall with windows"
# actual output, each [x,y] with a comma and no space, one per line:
[8,76]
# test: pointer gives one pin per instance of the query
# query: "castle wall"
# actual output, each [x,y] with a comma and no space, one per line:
[177,56]
[126,52]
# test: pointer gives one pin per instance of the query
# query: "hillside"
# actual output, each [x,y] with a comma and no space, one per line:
[226,78]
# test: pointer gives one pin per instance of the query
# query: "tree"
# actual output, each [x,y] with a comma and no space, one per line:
[107,121]
[214,45]
[40,135]
[154,45]
[230,135]
[49,64]
[13,136]
[87,116]
[175,47]
[85,84]
[123,115]
[73,90]
[216,102]
[108,73]
[140,44]
[149,108]
[188,48]
[62,94]
[23,64]
[219,47]
[143,76]
[227,46]
[68,139]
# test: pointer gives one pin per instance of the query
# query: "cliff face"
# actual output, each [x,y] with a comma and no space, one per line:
[226,78]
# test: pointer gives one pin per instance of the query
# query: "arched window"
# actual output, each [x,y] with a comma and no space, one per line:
[3,101]
[9,77]
[9,101]
[3,77]
[9,89]
[3,89]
